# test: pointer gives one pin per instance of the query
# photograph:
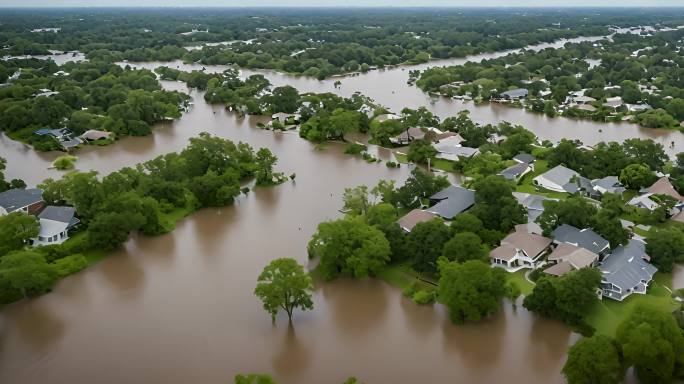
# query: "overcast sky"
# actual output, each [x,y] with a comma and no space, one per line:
[338,3]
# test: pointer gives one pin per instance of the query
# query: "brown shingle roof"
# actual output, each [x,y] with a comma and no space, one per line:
[559,269]
[664,187]
[577,257]
[531,243]
[503,252]
[408,221]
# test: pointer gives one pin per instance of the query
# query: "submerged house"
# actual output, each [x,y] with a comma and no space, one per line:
[515,94]
[626,271]
[55,223]
[519,250]
[21,200]
[451,201]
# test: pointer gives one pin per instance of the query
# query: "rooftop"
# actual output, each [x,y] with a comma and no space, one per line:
[585,238]
[408,221]
[626,267]
[452,200]
[18,198]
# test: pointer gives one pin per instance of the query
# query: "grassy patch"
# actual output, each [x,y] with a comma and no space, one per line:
[402,276]
[608,314]
[519,279]
[401,157]
[443,165]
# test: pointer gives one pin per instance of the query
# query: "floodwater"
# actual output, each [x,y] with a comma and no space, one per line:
[180,307]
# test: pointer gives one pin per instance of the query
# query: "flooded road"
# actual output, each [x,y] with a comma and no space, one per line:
[180,307]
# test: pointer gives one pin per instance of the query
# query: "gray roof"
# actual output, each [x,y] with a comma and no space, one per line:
[626,267]
[451,201]
[610,184]
[534,204]
[560,175]
[515,93]
[524,158]
[61,214]
[514,171]
[585,238]
[19,198]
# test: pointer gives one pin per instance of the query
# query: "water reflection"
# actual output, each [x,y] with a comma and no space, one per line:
[294,356]
[355,317]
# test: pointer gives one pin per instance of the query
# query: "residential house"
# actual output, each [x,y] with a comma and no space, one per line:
[644,201]
[449,139]
[63,135]
[664,187]
[626,271]
[608,184]
[408,221]
[648,199]
[455,153]
[567,257]
[21,200]
[515,94]
[285,117]
[94,135]
[55,223]
[451,201]
[516,172]
[583,100]
[613,102]
[585,238]
[387,116]
[407,136]
[533,204]
[561,179]
[519,250]
[524,158]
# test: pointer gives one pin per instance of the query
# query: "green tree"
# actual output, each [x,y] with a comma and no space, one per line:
[27,272]
[594,360]
[420,151]
[265,160]
[495,205]
[652,343]
[637,176]
[349,245]
[471,291]
[512,292]
[465,246]
[665,246]
[425,244]
[356,200]
[283,284]
[16,229]
[575,211]
[254,378]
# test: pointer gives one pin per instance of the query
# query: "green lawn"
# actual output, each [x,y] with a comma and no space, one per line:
[607,314]
[402,276]
[527,186]
[519,279]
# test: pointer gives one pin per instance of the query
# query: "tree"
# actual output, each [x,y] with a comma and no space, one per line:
[254,378]
[465,246]
[110,229]
[594,360]
[425,244]
[646,152]
[27,272]
[419,185]
[512,292]
[420,151]
[349,245]
[495,205]
[265,160]
[283,284]
[575,211]
[665,247]
[607,224]
[15,231]
[637,176]
[471,291]
[356,200]
[652,343]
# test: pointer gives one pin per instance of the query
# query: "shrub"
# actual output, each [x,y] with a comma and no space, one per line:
[424,296]
[64,162]
[355,149]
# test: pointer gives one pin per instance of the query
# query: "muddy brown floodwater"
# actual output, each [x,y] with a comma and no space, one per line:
[180,307]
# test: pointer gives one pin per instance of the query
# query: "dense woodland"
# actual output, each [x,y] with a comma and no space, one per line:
[639,69]
[317,43]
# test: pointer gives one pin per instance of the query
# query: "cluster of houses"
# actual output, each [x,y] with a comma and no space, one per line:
[68,141]
[55,222]
[625,269]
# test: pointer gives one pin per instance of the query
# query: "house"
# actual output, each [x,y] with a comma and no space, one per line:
[387,116]
[568,257]
[59,134]
[533,204]
[451,201]
[455,153]
[55,223]
[21,200]
[613,102]
[583,100]
[516,172]
[638,107]
[530,227]
[586,107]
[585,238]
[515,94]
[561,179]
[664,187]
[626,271]
[407,136]
[408,221]
[608,184]
[94,135]
[525,158]
[285,117]
[644,201]
[449,139]
[519,250]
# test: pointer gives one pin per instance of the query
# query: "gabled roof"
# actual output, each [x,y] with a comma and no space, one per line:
[93,134]
[457,150]
[18,198]
[664,187]
[59,214]
[524,158]
[578,257]
[644,201]
[585,238]
[562,176]
[449,138]
[532,244]
[515,171]
[609,184]
[408,221]
[559,269]
[514,93]
[626,267]
[452,201]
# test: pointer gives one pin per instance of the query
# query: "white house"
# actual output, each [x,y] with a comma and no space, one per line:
[519,250]
[55,223]
[560,179]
